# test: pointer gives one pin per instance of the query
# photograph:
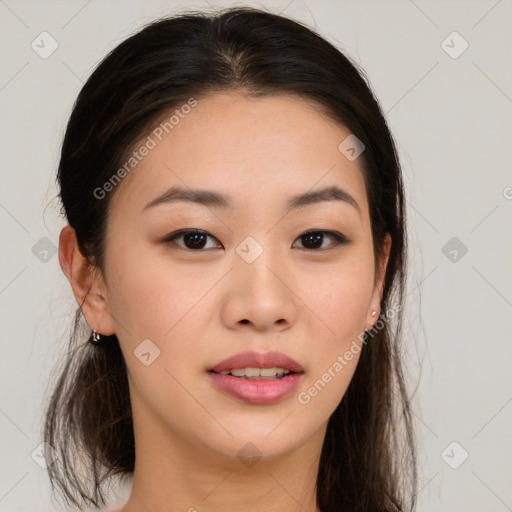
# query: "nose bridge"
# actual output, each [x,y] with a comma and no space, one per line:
[261,283]
[256,263]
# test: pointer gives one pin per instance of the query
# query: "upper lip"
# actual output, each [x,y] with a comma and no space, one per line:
[251,359]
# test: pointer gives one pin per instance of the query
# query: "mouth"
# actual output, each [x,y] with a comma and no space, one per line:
[257,378]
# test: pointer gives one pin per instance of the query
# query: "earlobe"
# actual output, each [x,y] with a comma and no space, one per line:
[86,282]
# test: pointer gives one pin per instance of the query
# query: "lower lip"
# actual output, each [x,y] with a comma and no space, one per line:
[256,391]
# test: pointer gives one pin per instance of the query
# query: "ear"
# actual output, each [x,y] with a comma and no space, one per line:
[379,283]
[87,282]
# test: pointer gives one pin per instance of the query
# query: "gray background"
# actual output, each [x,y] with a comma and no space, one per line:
[452,120]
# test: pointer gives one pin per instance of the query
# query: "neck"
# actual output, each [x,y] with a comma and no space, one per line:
[172,475]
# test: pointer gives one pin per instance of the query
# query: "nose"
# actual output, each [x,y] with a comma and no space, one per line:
[260,295]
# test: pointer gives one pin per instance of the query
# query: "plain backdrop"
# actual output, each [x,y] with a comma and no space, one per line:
[449,108]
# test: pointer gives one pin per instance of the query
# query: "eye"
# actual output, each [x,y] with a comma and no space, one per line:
[196,239]
[193,239]
[315,238]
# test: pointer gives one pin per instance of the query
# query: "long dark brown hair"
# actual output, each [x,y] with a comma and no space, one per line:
[368,460]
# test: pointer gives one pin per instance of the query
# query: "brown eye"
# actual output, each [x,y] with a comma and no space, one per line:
[314,239]
[193,239]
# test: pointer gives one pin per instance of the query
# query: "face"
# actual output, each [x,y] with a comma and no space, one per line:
[250,280]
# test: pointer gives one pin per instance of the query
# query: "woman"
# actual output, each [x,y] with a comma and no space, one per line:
[236,241]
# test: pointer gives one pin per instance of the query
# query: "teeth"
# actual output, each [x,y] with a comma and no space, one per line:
[257,373]
[250,372]
[270,372]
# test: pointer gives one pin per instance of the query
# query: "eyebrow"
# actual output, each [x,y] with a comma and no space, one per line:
[218,200]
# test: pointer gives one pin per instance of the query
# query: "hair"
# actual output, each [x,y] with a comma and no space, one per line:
[368,459]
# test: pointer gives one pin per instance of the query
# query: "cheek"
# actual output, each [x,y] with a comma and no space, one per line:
[152,300]
[148,297]
[340,302]
[340,298]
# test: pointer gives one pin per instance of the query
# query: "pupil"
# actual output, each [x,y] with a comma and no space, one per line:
[314,237]
[196,242]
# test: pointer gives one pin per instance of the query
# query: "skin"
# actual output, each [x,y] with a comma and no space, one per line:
[310,303]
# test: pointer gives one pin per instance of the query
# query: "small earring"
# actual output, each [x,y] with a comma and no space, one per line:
[95,338]
[374,313]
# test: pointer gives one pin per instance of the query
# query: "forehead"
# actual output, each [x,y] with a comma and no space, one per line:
[256,150]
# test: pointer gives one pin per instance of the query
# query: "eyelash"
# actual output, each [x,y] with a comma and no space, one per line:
[337,237]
